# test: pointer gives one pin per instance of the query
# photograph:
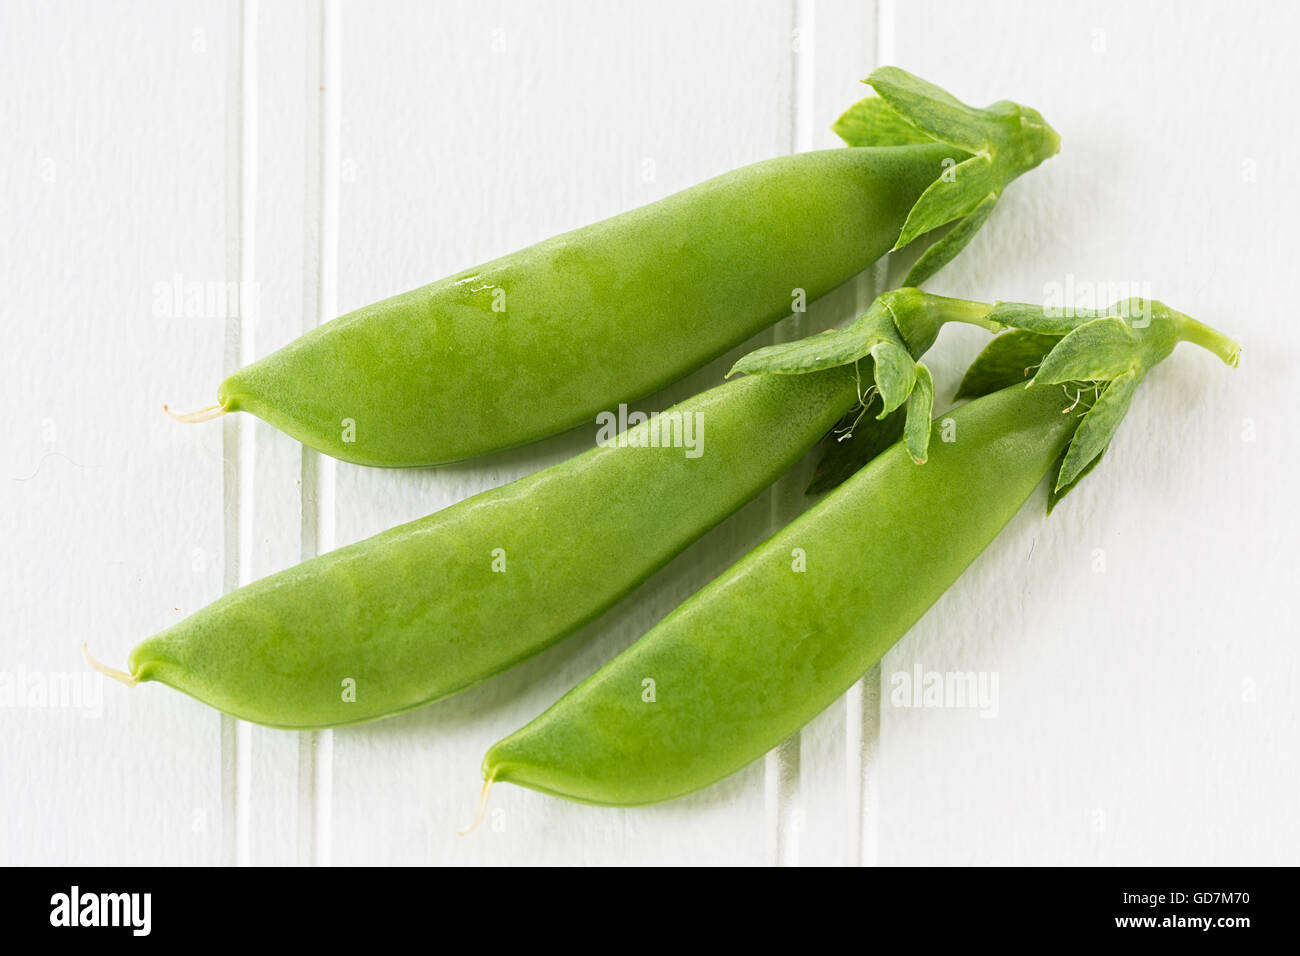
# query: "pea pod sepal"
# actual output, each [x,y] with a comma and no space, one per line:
[993,145]
[895,331]
[1099,357]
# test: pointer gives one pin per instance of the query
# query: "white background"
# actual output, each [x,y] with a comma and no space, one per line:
[1144,639]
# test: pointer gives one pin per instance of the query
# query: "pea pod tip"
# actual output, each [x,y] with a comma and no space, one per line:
[202,415]
[117,675]
[481,812]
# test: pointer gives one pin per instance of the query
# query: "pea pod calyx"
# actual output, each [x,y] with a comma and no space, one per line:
[1003,141]
[897,328]
[1098,355]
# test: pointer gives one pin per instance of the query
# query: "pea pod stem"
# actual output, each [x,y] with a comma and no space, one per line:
[972,313]
[1210,339]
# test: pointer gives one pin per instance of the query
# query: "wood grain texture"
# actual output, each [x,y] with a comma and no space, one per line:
[1142,639]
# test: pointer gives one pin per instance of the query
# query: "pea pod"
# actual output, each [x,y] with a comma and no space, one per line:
[432,607]
[776,639]
[437,605]
[543,339]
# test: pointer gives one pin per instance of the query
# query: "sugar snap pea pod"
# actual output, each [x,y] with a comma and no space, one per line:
[437,605]
[773,641]
[543,339]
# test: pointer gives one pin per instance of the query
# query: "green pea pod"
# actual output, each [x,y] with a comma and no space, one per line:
[435,606]
[543,339]
[777,638]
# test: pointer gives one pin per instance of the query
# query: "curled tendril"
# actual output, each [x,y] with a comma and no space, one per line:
[864,402]
[1078,396]
[1081,389]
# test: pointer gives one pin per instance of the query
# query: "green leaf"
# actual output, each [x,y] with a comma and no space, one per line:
[823,350]
[907,318]
[873,122]
[1035,318]
[841,459]
[916,430]
[1005,361]
[956,193]
[931,109]
[895,373]
[1098,427]
[945,250]
[1098,350]
[1054,494]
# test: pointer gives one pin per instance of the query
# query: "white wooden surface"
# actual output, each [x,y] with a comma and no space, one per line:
[1143,639]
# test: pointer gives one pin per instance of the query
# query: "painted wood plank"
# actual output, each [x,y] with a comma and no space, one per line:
[1143,637]
[815,776]
[281,70]
[116,189]
[333,154]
